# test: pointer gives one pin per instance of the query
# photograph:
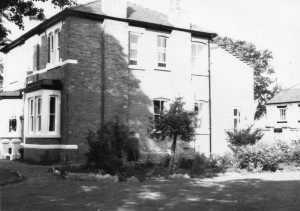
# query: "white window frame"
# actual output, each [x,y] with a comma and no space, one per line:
[10,120]
[282,114]
[136,47]
[54,46]
[45,96]
[162,50]
[55,114]
[196,56]
[31,115]
[38,114]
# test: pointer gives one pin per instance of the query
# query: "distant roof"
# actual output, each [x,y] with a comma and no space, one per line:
[138,15]
[286,96]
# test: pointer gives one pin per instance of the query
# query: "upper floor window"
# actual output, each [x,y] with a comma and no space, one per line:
[38,114]
[282,114]
[198,56]
[54,47]
[162,51]
[236,118]
[134,40]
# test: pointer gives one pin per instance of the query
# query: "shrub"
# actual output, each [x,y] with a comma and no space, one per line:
[259,157]
[165,161]
[106,146]
[243,137]
[295,151]
[185,163]
[199,164]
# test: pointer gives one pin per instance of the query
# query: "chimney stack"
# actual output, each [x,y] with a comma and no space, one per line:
[114,8]
[179,14]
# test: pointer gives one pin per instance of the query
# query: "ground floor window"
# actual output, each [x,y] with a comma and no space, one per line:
[43,113]
[236,118]
[159,106]
[12,124]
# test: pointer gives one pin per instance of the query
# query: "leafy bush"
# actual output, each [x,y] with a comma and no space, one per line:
[295,151]
[259,157]
[165,161]
[185,163]
[242,137]
[199,164]
[106,146]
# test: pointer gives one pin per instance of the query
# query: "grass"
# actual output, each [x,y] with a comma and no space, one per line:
[232,191]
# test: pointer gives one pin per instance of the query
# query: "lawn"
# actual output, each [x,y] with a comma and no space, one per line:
[42,191]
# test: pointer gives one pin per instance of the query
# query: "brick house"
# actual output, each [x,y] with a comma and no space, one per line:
[90,63]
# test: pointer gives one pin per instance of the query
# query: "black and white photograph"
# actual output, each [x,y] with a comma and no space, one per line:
[132,105]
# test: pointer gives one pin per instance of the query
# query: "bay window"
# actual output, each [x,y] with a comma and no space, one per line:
[43,116]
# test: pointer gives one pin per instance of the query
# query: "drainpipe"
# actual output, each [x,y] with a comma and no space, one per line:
[209,98]
[102,112]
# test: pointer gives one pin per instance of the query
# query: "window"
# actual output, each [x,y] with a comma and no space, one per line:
[198,56]
[162,51]
[43,117]
[54,47]
[12,124]
[134,39]
[282,114]
[198,108]
[38,114]
[31,115]
[159,106]
[236,118]
[52,113]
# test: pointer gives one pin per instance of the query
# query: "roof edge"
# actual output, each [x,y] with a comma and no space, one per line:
[69,12]
[297,101]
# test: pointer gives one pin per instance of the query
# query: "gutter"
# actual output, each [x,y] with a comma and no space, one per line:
[99,17]
[209,99]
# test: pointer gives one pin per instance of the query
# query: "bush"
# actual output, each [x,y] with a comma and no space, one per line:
[106,146]
[243,137]
[165,161]
[295,151]
[259,157]
[185,163]
[199,164]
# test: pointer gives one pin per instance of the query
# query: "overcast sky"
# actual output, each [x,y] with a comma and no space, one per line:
[269,24]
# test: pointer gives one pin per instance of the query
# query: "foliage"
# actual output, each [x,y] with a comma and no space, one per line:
[243,137]
[15,10]
[259,157]
[185,163]
[165,161]
[106,146]
[260,60]
[174,123]
[295,151]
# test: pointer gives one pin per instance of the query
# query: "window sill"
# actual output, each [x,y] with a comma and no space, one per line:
[43,136]
[134,67]
[203,75]
[52,66]
[162,69]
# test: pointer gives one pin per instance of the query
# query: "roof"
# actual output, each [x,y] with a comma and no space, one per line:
[291,95]
[136,15]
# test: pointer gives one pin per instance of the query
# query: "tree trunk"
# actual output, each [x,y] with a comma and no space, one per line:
[173,150]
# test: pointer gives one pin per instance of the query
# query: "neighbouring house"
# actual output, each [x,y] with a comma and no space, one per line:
[90,63]
[283,116]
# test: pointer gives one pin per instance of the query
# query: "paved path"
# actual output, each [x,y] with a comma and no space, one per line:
[41,191]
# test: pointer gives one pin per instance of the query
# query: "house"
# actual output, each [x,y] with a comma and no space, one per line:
[90,63]
[283,115]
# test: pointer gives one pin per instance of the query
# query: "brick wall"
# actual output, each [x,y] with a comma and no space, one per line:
[55,155]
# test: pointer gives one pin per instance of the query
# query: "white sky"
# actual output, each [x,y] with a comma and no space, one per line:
[271,24]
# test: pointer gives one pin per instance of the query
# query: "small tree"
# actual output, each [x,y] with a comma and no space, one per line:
[174,123]
[243,137]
